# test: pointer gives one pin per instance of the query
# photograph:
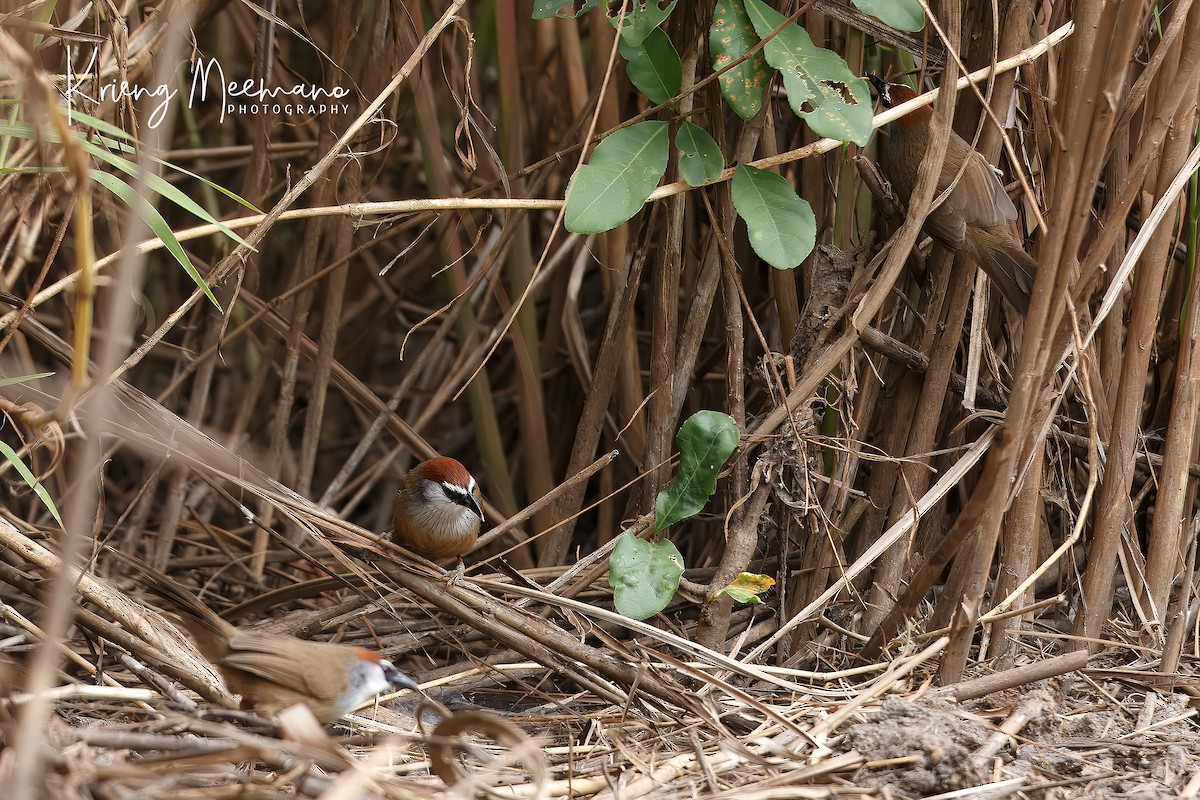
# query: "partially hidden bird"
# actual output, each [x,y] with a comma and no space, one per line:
[437,509]
[272,671]
[976,214]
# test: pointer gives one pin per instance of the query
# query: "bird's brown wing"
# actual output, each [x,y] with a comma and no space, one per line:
[948,227]
[260,655]
[978,199]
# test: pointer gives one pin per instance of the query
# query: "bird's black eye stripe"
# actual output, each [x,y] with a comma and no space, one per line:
[456,495]
[881,89]
[460,496]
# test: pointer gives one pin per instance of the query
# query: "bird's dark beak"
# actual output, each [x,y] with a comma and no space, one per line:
[880,86]
[467,500]
[397,678]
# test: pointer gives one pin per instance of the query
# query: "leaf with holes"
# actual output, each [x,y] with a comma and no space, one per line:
[705,442]
[700,159]
[780,224]
[564,9]
[644,576]
[614,185]
[731,37]
[653,66]
[642,19]
[815,78]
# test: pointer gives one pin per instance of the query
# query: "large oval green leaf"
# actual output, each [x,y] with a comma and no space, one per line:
[781,225]
[815,77]
[705,443]
[644,576]
[903,15]
[622,173]
[731,37]
[653,66]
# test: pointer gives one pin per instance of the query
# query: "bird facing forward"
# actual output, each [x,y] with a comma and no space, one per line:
[272,671]
[975,216]
[437,509]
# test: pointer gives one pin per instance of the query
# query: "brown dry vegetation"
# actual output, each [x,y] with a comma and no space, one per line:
[253,452]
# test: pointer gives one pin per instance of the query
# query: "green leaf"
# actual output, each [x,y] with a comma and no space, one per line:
[642,19]
[644,576]
[33,483]
[903,15]
[815,77]
[109,128]
[167,190]
[746,588]
[700,159]
[158,226]
[106,149]
[622,173]
[232,195]
[780,224]
[653,66]
[731,37]
[564,9]
[23,378]
[705,443]
[104,127]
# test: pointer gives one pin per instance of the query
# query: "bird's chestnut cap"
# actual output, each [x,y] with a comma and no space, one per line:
[390,673]
[444,469]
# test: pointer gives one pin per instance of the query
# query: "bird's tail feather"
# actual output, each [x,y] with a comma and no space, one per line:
[1005,261]
[208,630]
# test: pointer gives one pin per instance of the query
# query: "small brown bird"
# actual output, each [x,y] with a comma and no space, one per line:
[272,671]
[974,217]
[437,509]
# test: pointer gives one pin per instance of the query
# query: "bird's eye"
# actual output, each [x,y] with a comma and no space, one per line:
[456,495]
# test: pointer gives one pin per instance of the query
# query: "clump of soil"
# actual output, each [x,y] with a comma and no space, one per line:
[934,748]
[1083,747]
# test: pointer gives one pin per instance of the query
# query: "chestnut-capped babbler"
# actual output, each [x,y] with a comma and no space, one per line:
[437,509]
[272,671]
[975,216]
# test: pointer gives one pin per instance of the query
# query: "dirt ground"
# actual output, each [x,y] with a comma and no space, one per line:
[1085,738]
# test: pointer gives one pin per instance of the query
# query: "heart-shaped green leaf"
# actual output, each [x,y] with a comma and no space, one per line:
[644,576]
